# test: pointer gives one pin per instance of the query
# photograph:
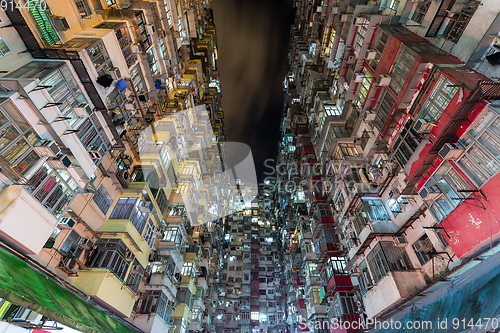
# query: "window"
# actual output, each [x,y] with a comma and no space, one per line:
[4,48]
[149,233]
[111,255]
[423,257]
[459,21]
[335,266]
[188,269]
[386,257]
[364,87]
[53,188]
[83,8]
[173,234]
[401,69]
[438,100]
[127,209]
[360,35]
[421,10]
[396,205]
[64,89]
[376,210]
[99,57]
[70,246]
[384,109]
[245,315]
[448,183]
[255,316]
[405,144]
[482,159]
[102,199]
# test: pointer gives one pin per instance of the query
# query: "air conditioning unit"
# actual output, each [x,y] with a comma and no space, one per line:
[400,241]
[47,148]
[331,299]
[136,269]
[82,110]
[95,156]
[334,10]
[150,29]
[66,223]
[146,207]
[60,23]
[129,256]
[369,115]
[371,54]
[60,163]
[360,21]
[135,48]
[355,271]
[351,59]
[348,228]
[172,304]
[421,126]
[344,18]
[115,73]
[69,266]
[451,151]
[430,192]
[383,80]
[359,78]
[342,96]
[159,232]
[85,243]
[424,245]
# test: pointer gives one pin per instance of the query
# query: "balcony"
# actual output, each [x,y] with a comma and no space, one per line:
[107,287]
[391,289]
[31,232]
[166,281]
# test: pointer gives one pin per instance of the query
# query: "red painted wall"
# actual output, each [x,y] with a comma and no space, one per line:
[471,226]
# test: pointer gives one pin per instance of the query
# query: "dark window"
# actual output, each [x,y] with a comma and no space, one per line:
[423,257]
[102,199]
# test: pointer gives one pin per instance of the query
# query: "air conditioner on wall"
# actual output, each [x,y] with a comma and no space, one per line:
[371,54]
[47,148]
[430,192]
[68,265]
[400,241]
[355,271]
[115,73]
[85,243]
[421,126]
[66,223]
[451,151]
[383,80]
[351,59]
[424,245]
[82,110]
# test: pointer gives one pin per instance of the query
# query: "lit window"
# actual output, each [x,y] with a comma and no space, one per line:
[4,49]
[255,316]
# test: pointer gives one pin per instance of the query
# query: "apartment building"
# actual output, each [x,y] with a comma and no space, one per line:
[249,280]
[388,146]
[112,155]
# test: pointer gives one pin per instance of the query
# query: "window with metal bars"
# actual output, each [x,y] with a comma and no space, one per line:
[421,11]
[83,8]
[459,21]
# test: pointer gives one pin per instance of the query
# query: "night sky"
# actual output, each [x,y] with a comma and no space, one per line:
[252,41]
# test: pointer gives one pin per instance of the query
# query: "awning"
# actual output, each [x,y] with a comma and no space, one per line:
[24,286]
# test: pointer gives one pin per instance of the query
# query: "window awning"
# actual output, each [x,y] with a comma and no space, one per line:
[24,286]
